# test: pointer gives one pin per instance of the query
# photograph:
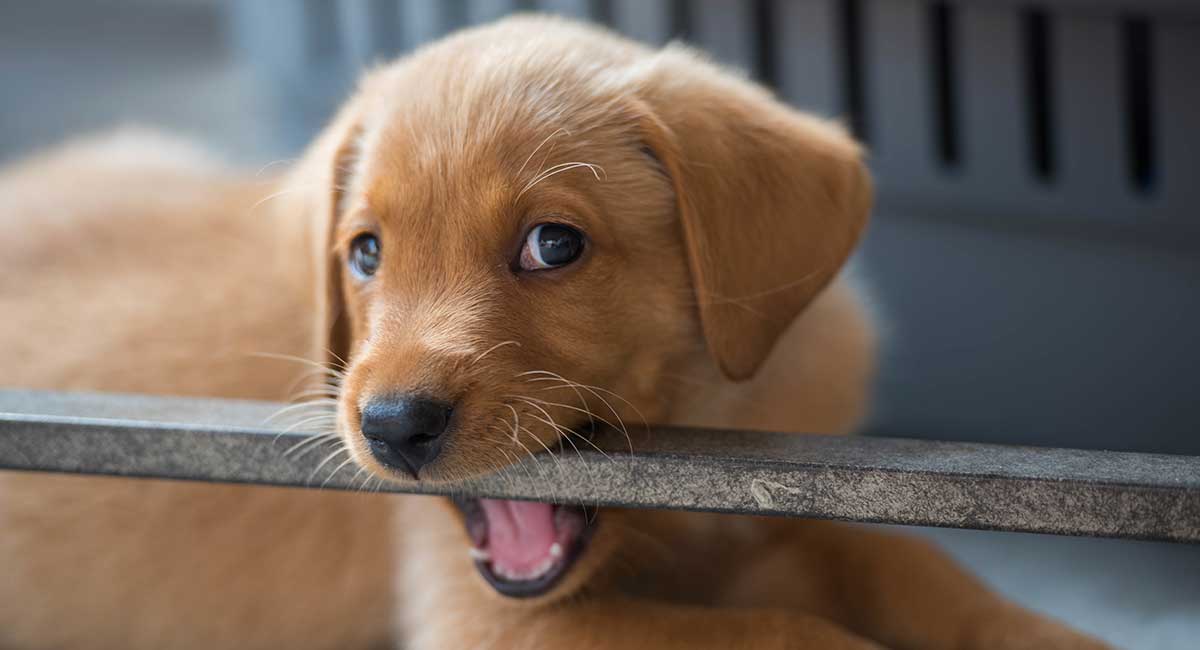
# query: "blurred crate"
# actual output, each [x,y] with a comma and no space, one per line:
[1079,110]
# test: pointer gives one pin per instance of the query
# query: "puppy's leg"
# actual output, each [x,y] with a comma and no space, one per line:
[898,589]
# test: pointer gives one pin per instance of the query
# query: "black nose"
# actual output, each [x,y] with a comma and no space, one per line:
[405,431]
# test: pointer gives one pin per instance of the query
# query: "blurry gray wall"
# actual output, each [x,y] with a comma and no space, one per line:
[1035,254]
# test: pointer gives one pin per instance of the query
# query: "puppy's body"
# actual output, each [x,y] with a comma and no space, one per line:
[155,272]
[169,564]
[133,264]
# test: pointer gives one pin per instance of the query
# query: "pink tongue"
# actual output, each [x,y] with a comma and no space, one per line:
[520,533]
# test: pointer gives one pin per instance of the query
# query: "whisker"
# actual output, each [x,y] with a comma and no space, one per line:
[585,439]
[310,404]
[309,378]
[281,161]
[314,442]
[329,392]
[536,461]
[558,169]
[493,348]
[349,459]
[595,391]
[499,446]
[338,452]
[557,461]
[516,420]
[309,362]
[578,393]
[343,364]
[324,417]
[591,416]
[564,430]
[354,478]
[539,441]
[508,461]
[570,442]
[534,152]
[517,461]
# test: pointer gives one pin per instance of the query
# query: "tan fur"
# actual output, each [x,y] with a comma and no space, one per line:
[717,221]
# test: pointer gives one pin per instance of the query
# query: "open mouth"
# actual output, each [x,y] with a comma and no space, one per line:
[523,548]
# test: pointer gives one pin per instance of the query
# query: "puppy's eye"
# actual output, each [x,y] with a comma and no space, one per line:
[364,255]
[550,245]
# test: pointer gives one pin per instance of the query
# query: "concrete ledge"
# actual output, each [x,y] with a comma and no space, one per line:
[959,485]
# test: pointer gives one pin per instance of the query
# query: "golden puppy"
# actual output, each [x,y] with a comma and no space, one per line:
[506,235]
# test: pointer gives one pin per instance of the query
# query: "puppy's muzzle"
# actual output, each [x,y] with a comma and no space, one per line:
[405,431]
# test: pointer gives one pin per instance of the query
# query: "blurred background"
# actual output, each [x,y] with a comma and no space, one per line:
[1035,252]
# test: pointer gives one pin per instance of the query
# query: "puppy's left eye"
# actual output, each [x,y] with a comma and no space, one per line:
[364,255]
[550,245]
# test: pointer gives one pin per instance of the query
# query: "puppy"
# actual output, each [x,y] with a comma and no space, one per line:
[509,234]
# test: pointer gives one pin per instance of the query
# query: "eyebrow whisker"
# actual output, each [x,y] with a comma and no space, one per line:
[543,143]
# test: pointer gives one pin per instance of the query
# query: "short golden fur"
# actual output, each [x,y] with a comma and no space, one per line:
[718,222]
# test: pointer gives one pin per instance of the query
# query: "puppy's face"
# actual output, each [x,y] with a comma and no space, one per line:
[504,295]
[529,224]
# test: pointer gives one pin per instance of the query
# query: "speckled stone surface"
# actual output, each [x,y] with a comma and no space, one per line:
[961,485]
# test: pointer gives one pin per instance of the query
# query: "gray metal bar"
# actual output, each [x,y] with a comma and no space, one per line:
[1062,491]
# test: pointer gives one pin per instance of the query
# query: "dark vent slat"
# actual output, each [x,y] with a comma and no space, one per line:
[726,30]
[898,127]
[805,45]
[1177,73]
[1086,52]
[995,132]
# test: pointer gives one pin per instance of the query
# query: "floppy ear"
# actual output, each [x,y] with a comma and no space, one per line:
[771,202]
[318,187]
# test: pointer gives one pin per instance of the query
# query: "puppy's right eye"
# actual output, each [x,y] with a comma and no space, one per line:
[364,256]
[550,245]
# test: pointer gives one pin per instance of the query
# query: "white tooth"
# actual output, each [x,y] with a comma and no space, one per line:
[536,572]
[479,554]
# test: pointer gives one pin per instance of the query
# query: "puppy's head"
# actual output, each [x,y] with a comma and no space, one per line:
[525,226]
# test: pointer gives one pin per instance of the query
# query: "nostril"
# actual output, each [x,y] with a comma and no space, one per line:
[424,439]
